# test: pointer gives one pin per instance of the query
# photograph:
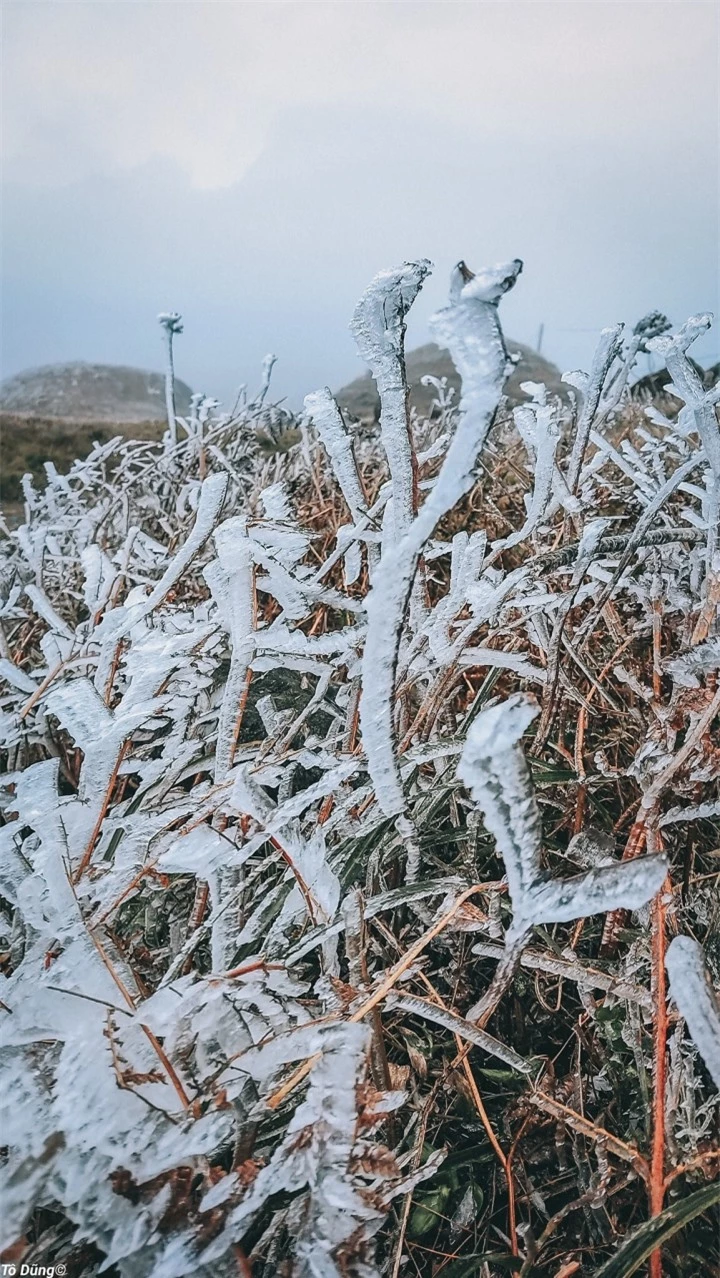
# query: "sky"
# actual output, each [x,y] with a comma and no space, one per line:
[252,165]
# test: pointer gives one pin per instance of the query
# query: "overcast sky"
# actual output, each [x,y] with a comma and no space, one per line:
[254,164]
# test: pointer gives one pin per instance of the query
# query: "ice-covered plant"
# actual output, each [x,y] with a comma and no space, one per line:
[265,686]
[470,328]
[171,324]
[494,769]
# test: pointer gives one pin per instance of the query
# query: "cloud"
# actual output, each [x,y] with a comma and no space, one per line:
[254,164]
[92,86]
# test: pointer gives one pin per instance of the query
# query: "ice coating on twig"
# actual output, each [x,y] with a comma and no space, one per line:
[494,769]
[212,497]
[378,326]
[591,387]
[428,1011]
[328,421]
[700,408]
[695,999]
[327,418]
[470,328]
[539,426]
[230,578]
[315,1158]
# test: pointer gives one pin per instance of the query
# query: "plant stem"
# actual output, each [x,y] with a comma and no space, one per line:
[656,1188]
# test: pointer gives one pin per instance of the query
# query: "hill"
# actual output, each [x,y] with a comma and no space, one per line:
[91,392]
[54,413]
[360,397]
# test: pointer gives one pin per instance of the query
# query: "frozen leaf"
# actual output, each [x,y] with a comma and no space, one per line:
[494,769]
[695,999]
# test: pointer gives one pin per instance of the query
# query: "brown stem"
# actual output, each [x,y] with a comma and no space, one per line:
[379,993]
[482,1011]
[656,1188]
[85,858]
[484,1119]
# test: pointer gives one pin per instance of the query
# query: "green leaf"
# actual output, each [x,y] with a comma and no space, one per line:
[657,1231]
[428,1211]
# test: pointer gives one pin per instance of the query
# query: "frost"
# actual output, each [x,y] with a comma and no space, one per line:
[495,771]
[540,428]
[328,421]
[230,578]
[687,669]
[315,1161]
[699,410]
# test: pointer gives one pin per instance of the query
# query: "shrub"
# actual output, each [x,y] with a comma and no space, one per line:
[317,961]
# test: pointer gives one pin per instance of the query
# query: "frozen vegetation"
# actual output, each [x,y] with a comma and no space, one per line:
[359,838]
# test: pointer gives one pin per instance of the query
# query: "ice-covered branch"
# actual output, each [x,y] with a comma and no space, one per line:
[212,497]
[700,408]
[171,323]
[470,328]
[494,769]
[230,578]
[378,326]
[695,998]
[539,426]
[327,418]
[591,387]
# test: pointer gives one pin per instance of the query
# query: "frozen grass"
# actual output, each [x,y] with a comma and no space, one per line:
[354,793]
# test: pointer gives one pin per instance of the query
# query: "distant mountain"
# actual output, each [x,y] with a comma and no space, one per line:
[90,393]
[654,385]
[361,400]
[55,414]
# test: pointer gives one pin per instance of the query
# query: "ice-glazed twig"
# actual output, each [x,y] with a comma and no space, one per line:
[591,387]
[429,1011]
[230,578]
[494,769]
[328,421]
[539,426]
[171,323]
[378,326]
[700,409]
[212,496]
[470,328]
[696,1000]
